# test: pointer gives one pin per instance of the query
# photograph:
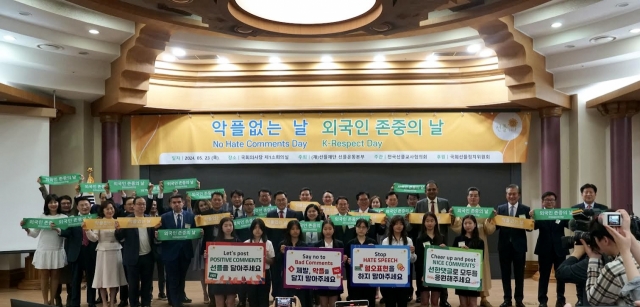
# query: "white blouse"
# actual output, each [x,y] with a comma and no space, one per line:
[271,253]
[394,242]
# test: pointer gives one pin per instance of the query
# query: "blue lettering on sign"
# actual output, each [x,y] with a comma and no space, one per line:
[237,128]
[274,128]
[436,128]
[220,126]
[300,128]
[255,128]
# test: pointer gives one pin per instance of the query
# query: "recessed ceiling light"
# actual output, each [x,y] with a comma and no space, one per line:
[178,52]
[474,48]
[486,53]
[636,30]
[274,59]
[602,39]
[9,38]
[432,57]
[556,25]
[23,13]
[570,46]
[326,59]
[622,4]
[379,58]
[168,57]
[83,53]
[94,31]
[223,60]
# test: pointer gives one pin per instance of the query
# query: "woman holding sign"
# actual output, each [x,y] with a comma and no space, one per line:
[225,294]
[259,294]
[397,235]
[49,257]
[329,298]
[109,274]
[469,239]
[293,238]
[429,235]
[360,293]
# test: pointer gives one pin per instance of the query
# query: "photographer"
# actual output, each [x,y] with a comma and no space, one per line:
[574,270]
[629,249]
[606,281]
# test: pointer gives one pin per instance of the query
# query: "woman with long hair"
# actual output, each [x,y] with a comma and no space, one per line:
[293,238]
[259,294]
[312,214]
[469,239]
[203,207]
[429,236]
[49,257]
[397,235]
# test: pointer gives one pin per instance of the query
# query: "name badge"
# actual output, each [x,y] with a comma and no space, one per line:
[187,226]
[461,244]
[557,221]
[425,244]
[522,216]
[443,211]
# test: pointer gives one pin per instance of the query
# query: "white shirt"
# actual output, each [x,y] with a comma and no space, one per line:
[394,242]
[312,237]
[587,205]
[175,218]
[515,209]
[435,200]
[145,247]
[365,210]
[240,211]
[328,244]
[271,253]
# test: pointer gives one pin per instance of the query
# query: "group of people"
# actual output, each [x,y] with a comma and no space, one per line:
[124,259]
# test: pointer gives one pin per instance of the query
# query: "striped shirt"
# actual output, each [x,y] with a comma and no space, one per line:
[605,282]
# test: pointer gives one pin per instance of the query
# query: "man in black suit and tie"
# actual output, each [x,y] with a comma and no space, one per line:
[81,255]
[177,254]
[138,249]
[155,208]
[550,251]
[376,229]
[436,205]
[277,235]
[512,247]
[237,197]
[588,192]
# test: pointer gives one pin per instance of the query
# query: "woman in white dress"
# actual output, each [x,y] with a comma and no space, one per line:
[49,257]
[109,274]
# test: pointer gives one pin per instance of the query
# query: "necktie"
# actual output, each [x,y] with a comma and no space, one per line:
[179,224]
[85,240]
[512,211]
[281,214]
[433,206]
[588,206]
[237,212]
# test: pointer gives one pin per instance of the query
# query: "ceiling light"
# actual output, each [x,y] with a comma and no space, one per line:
[306,12]
[9,38]
[50,47]
[432,57]
[83,53]
[474,48]
[94,31]
[570,46]
[23,13]
[636,30]
[326,59]
[556,25]
[168,57]
[223,60]
[622,4]
[178,52]
[602,39]
[486,53]
[378,58]
[274,59]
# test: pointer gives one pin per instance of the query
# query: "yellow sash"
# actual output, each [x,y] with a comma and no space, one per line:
[97,224]
[443,218]
[210,219]
[302,205]
[276,223]
[138,222]
[374,217]
[514,222]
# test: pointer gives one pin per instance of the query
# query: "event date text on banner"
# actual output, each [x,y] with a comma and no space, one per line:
[330,138]
[380,265]
[313,268]
[234,263]
[452,267]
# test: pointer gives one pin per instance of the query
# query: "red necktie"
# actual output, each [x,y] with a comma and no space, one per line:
[433,206]
[85,240]
[281,214]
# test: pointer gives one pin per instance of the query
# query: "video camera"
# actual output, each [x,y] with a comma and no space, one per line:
[580,227]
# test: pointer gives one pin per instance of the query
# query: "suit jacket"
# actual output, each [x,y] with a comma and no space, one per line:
[517,237]
[159,204]
[374,229]
[597,206]
[336,243]
[423,206]
[73,236]
[241,212]
[549,238]
[131,244]
[171,250]
[345,234]
[277,235]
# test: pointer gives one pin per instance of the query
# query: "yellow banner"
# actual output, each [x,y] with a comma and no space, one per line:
[499,137]
[97,224]
[329,210]
[276,223]
[138,222]
[210,219]
[443,218]
[302,205]
[514,222]
[376,218]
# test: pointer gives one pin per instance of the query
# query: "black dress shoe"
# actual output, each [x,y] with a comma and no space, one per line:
[542,305]
[98,301]
[91,305]
[187,300]
[123,304]
[560,303]
[506,304]
[445,304]
[418,299]
[579,303]
[519,304]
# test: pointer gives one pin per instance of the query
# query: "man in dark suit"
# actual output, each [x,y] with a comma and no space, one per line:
[138,249]
[236,209]
[550,251]
[343,233]
[436,205]
[155,208]
[81,255]
[589,192]
[176,255]
[512,247]
[376,229]
[277,235]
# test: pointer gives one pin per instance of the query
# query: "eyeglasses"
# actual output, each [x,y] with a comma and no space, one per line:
[549,200]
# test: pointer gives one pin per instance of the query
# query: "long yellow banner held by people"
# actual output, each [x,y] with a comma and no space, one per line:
[276,223]
[443,218]
[210,219]
[514,222]
[98,224]
[499,137]
[376,218]
[138,222]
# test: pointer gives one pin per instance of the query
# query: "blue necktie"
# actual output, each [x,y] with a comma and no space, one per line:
[512,211]
[179,221]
